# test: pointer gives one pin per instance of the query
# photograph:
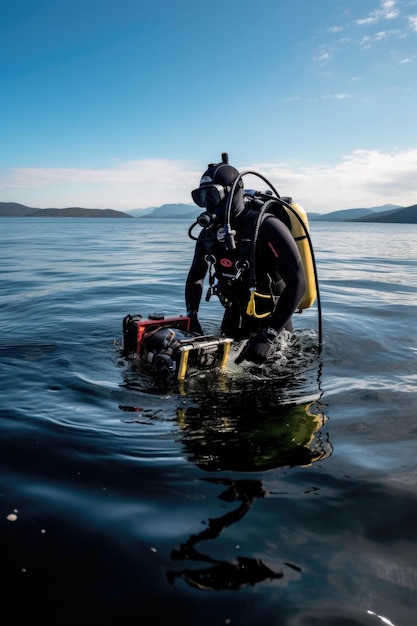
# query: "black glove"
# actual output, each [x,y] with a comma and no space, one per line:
[195,326]
[257,347]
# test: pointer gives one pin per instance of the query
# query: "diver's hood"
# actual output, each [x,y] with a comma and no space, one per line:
[213,194]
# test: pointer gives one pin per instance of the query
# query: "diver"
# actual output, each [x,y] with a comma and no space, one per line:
[254,265]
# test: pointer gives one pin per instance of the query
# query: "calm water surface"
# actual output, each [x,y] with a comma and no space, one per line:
[281,495]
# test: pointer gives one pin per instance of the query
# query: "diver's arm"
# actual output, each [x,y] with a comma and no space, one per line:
[288,262]
[282,251]
[194,286]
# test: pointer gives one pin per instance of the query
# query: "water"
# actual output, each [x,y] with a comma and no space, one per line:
[282,495]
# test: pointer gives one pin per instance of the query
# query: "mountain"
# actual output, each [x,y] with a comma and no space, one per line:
[351,214]
[340,216]
[387,213]
[78,212]
[403,215]
[13,209]
[140,212]
[169,211]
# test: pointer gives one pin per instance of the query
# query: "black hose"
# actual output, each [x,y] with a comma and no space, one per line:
[252,255]
[190,231]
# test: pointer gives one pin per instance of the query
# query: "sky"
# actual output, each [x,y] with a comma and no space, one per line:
[122,104]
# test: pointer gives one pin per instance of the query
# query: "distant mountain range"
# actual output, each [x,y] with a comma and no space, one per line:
[13,209]
[387,213]
[351,214]
[176,211]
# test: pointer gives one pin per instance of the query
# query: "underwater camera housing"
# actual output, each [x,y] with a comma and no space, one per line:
[169,349]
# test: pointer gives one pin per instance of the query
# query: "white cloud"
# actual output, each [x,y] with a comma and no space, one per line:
[412,21]
[387,11]
[337,96]
[363,178]
[366,42]
[129,185]
[381,35]
[324,56]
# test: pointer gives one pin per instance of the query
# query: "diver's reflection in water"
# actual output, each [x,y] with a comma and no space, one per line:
[249,431]
[222,574]
[245,432]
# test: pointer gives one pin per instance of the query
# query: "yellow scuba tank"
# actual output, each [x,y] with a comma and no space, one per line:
[300,230]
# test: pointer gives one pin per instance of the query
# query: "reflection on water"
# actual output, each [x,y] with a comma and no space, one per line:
[240,423]
[242,434]
[245,435]
[221,574]
[243,423]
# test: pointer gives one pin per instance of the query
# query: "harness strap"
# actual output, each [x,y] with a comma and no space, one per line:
[210,260]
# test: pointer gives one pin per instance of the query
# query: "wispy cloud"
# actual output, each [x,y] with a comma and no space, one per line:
[390,21]
[412,22]
[337,96]
[387,11]
[327,96]
[370,39]
[128,185]
[323,56]
[363,178]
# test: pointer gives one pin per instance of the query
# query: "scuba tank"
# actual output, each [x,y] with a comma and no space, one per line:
[295,219]
[300,230]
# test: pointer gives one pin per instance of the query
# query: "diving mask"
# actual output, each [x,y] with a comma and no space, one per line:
[208,195]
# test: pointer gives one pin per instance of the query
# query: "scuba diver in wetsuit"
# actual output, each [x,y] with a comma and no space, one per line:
[237,259]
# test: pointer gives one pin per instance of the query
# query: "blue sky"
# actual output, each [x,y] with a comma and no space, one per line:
[118,104]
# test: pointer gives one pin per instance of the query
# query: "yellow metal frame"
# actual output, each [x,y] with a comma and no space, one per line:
[224,348]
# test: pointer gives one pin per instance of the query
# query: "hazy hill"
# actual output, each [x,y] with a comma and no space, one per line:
[404,215]
[351,214]
[78,212]
[168,211]
[387,213]
[140,212]
[13,209]
[190,211]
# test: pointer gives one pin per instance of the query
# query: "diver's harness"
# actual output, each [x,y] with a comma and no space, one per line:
[269,202]
[221,282]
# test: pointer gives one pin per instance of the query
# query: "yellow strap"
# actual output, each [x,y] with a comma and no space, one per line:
[251,309]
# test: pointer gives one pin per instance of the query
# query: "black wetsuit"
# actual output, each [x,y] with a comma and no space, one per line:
[279,272]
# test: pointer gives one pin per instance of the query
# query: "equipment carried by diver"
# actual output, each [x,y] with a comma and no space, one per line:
[167,347]
[295,218]
[268,202]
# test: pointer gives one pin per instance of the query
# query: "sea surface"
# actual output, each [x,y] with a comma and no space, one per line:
[281,495]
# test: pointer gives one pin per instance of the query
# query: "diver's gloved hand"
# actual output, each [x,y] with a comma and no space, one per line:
[195,326]
[258,347]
